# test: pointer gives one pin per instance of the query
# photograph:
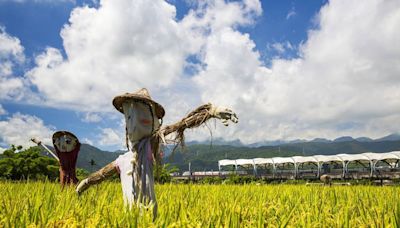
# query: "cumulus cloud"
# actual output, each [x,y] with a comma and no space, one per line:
[344,82]
[118,47]
[40,1]
[2,110]
[10,47]
[87,141]
[111,50]
[280,48]
[90,117]
[11,55]
[111,137]
[19,129]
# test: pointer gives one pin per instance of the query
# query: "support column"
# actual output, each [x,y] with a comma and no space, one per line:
[254,168]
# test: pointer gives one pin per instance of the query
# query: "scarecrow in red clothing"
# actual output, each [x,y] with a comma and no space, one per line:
[67,148]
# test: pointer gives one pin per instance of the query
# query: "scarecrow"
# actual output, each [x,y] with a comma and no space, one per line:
[144,135]
[67,147]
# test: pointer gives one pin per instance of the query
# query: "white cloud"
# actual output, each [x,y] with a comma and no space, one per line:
[87,141]
[2,110]
[280,48]
[90,117]
[214,15]
[2,150]
[345,82]
[11,55]
[111,137]
[291,13]
[119,48]
[10,47]
[111,50]
[19,129]
[40,1]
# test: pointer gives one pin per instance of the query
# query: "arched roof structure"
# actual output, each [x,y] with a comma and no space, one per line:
[369,157]
[327,158]
[263,161]
[283,160]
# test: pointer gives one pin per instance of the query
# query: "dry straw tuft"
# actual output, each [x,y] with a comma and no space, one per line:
[194,119]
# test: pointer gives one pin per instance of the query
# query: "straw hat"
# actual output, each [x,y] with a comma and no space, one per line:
[58,134]
[141,95]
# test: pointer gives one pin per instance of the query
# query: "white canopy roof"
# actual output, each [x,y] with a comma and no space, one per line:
[396,153]
[302,159]
[283,160]
[244,162]
[226,162]
[368,156]
[381,156]
[328,158]
[262,161]
[353,157]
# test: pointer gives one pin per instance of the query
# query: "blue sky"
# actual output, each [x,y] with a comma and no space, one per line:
[290,69]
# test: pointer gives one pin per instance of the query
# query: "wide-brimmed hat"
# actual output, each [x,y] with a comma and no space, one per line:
[141,95]
[58,134]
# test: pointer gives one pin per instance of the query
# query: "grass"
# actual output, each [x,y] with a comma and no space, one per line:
[41,204]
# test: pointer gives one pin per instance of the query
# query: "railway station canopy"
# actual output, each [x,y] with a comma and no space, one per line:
[344,159]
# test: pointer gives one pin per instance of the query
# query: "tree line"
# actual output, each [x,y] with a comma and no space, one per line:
[17,163]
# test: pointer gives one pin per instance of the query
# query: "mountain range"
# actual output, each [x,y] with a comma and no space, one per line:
[237,142]
[90,158]
[205,155]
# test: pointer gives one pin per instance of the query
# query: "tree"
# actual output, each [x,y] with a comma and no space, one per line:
[92,162]
[165,172]
[27,164]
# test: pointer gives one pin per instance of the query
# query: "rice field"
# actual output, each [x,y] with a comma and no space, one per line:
[41,204]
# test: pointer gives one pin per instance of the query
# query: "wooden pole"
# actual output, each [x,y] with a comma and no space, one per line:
[39,143]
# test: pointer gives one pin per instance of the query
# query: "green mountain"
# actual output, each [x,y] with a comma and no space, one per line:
[91,158]
[206,156]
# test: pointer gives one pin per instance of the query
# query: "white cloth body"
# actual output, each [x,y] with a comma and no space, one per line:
[124,165]
[141,190]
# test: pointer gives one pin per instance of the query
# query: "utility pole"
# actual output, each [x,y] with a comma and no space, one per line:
[190,172]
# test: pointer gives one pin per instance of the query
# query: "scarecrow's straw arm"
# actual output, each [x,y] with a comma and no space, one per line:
[97,177]
[194,119]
